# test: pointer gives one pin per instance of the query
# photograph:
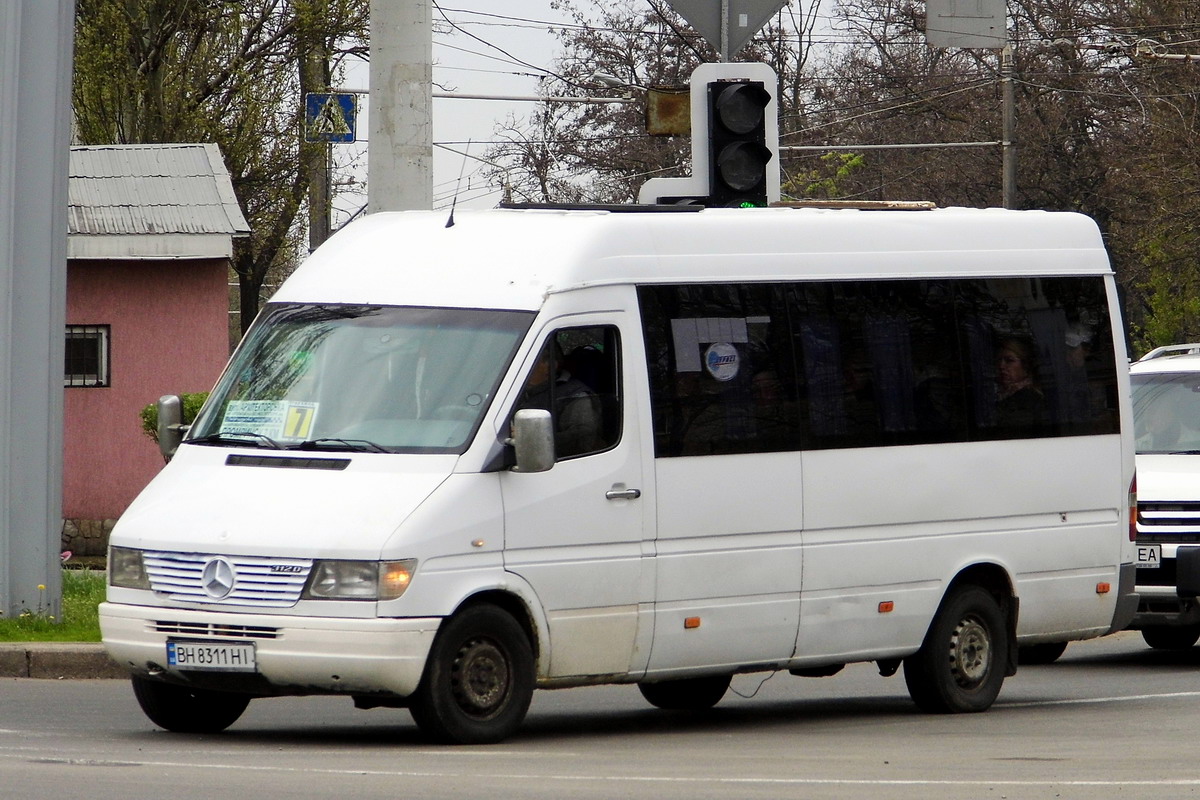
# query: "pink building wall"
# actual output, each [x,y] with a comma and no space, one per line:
[169,335]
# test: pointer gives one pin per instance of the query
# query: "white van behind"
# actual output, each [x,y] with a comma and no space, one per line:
[1166,409]
[451,463]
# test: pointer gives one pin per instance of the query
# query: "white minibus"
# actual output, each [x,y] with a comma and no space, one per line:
[459,458]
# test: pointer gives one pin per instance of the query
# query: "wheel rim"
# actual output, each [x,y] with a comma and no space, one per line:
[970,652]
[481,677]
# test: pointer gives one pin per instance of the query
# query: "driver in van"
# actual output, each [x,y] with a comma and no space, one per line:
[1160,429]
[574,407]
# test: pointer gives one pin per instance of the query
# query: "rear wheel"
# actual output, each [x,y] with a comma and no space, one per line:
[960,666]
[686,694]
[1042,653]
[478,680]
[1171,638]
[184,709]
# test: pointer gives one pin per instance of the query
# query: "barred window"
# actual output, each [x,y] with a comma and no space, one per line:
[86,356]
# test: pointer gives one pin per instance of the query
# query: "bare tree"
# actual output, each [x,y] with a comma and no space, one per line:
[602,153]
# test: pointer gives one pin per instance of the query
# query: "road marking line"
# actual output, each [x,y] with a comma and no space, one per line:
[1092,700]
[632,779]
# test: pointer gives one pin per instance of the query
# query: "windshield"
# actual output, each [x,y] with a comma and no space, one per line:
[1166,412]
[370,378]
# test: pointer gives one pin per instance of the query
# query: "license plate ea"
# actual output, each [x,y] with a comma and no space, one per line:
[1149,556]
[215,656]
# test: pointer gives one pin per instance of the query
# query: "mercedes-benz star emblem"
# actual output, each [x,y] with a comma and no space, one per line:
[218,578]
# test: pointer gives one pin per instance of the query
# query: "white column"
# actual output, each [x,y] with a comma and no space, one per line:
[400,148]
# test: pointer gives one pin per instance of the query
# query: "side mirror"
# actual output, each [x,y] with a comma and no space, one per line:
[533,440]
[170,424]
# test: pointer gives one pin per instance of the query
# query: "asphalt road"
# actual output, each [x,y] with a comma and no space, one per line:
[1111,719]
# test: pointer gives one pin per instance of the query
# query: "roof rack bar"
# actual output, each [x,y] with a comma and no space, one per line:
[1171,349]
[625,208]
[861,205]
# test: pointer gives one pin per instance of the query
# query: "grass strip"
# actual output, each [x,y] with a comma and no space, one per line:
[82,593]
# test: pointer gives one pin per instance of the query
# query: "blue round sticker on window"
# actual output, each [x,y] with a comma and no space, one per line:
[722,361]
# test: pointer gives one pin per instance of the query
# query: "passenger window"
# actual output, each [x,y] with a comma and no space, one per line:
[577,379]
[752,368]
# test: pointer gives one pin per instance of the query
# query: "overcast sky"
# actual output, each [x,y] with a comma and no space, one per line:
[494,63]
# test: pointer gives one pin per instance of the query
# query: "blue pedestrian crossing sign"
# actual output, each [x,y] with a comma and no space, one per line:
[329,117]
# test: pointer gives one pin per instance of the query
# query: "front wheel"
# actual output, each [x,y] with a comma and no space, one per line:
[184,709]
[478,680]
[1172,638]
[686,694]
[960,666]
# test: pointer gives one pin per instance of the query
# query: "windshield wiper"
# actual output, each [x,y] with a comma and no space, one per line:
[236,437]
[332,443]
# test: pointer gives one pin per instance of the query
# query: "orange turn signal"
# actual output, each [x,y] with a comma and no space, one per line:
[1103,587]
[886,606]
[691,622]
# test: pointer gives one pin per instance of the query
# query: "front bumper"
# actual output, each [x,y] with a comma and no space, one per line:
[294,655]
[1169,593]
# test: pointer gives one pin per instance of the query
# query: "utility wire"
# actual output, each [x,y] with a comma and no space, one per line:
[513,58]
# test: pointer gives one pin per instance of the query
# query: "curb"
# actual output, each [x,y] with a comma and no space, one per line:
[58,661]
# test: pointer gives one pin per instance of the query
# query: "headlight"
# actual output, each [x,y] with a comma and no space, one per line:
[126,569]
[359,580]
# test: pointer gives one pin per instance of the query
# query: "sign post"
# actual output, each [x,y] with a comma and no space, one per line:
[982,24]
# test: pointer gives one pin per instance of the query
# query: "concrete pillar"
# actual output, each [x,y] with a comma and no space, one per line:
[400,148]
[36,46]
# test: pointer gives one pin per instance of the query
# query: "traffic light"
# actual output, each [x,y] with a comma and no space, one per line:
[735,138]
[738,155]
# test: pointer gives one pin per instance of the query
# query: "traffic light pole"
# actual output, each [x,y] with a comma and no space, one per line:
[724,48]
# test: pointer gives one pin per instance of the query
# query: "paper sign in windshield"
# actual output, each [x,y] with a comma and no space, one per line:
[278,419]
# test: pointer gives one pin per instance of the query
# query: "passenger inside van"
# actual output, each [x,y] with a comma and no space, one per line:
[1020,402]
[574,406]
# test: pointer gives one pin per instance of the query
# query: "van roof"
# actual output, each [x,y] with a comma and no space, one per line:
[513,259]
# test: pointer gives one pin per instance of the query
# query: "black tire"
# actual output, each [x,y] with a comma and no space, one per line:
[1171,638]
[478,679]
[686,694]
[183,709]
[960,666]
[1042,653]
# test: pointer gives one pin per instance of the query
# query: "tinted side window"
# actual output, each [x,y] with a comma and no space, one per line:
[737,368]
[1040,357]
[882,363]
[722,372]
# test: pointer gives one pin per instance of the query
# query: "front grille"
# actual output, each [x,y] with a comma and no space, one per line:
[1183,516]
[215,631]
[274,582]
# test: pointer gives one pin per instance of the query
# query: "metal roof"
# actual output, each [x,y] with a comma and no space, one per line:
[151,201]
